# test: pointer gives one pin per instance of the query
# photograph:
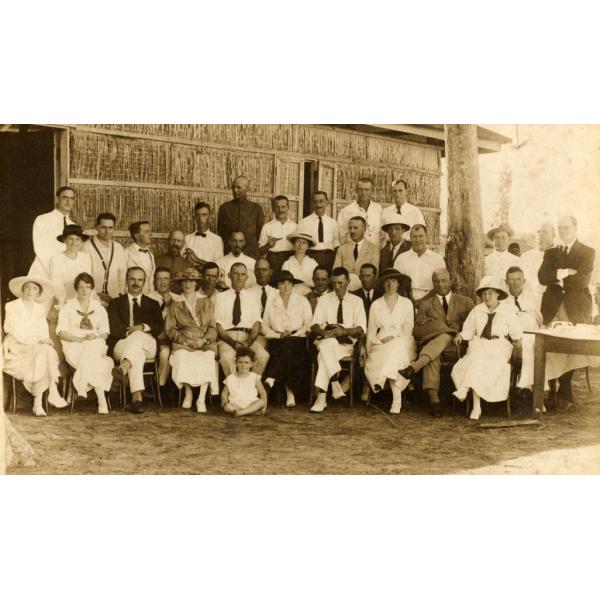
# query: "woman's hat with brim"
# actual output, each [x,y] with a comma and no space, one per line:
[492,232]
[72,230]
[395,220]
[189,274]
[403,280]
[301,235]
[284,276]
[16,284]
[492,283]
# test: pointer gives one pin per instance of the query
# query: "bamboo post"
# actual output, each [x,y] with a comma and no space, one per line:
[465,246]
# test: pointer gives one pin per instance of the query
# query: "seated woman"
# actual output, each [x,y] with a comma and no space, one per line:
[28,352]
[285,323]
[83,329]
[190,325]
[299,264]
[390,343]
[490,329]
[243,393]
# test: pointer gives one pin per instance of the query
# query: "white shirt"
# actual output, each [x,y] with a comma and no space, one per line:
[145,260]
[372,215]
[303,271]
[529,314]
[228,260]
[352,307]
[69,318]
[504,323]
[296,317]
[175,297]
[256,292]
[46,228]
[497,263]
[63,271]
[277,229]
[331,231]
[209,248]
[250,310]
[531,261]
[447,296]
[383,323]
[411,213]
[139,301]
[419,269]
[111,258]
[27,327]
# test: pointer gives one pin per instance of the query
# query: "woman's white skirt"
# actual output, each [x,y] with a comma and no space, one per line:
[385,360]
[194,367]
[485,369]
[93,368]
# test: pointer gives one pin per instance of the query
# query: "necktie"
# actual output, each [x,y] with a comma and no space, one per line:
[340,313]
[136,312]
[399,210]
[163,305]
[85,322]
[487,330]
[517,302]
[355,253]
[199,233]
[445,304]
[564,250]
[64,223]
[321,234]
[237,309]
[263,300]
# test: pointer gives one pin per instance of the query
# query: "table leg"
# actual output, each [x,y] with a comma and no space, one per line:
[539,372]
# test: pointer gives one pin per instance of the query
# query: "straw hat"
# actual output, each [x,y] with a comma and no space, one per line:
[395,220]
[72,230]
[492,283]
[16,284]
[189,274]
[403,280]
[494,230]
[301,235]
[284,276]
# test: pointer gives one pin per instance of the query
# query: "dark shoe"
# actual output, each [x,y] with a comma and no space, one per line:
[407,373]
[436,409]
[137,408]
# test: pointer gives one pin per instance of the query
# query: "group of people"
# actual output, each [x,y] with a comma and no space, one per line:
[260,301]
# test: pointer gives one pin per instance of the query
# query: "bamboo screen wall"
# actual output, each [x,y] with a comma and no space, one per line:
[159,172]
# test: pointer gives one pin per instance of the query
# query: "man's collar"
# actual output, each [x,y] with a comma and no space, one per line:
[447,296]
[131,296]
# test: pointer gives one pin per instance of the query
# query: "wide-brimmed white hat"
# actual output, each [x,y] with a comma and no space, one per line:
[495,230]
[16,284]
[492,283]
[395,220]
[301,235]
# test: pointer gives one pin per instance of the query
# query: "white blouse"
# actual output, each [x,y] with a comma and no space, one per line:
[277,319]
[71,313]
[27,327]
[303,270]
[63,271]
[506,322]
[383,323]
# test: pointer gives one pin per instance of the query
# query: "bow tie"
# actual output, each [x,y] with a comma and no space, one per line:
[199,233]
[144,250]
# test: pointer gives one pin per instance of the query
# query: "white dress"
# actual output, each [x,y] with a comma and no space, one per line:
[385,360]
[302,271]
[25,359]
[63,271]
[242,390]
[486,366]
[89,358]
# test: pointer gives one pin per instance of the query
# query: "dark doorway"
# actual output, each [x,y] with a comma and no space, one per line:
[26,190]
[310,186]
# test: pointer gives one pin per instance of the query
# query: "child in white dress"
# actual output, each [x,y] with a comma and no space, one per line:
[243,392]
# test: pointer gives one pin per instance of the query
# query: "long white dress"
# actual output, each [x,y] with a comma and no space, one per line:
[486,367]
[89,358]
[385,360]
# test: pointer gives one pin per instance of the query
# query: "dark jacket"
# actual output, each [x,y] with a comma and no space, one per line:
[243,216]
[431,320]
[118,318]
[574,292]
[386,259]
[362,295]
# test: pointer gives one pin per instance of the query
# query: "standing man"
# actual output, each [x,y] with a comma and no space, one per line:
[439,320]
[395,226]
[237,315]
[109,262]
[339,320]
[273,242]
[410,213]
[367,276]
[47,227]
[237,243]
[240,214]
[324,230]
[135,323]
[365,208]
[497,262]
[202,245]
[139,253]
[356,252]
[174,259]
[419,263]
[261,291]
[320,279]
[531,261]
[566,272]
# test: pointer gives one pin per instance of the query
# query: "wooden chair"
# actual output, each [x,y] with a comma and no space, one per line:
[12,396]
[150,370]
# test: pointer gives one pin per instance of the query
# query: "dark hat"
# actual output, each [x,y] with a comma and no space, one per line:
[284,276]
[72,230]
[189,274]
[404,280]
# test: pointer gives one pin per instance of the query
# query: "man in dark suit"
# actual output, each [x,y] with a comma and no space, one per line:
[395,228]
[321,277]
[566,270]
[367,276]
[135,322]
[439,319]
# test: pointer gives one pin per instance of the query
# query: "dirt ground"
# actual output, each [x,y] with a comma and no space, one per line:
[360,440]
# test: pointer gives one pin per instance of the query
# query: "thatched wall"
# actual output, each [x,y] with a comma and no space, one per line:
[159,171]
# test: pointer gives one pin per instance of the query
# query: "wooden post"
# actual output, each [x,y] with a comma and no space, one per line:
[465,246]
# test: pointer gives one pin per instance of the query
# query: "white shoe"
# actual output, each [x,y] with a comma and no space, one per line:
[475,414]
[290,399]
[270,381]
[56,399]
[187,401]
[39,411]
[346,385]
[320,405]
[103,409]
[201,405]
[336,390]
[396,407]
